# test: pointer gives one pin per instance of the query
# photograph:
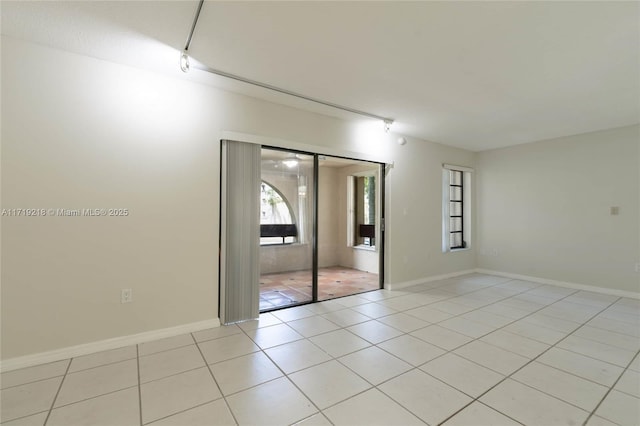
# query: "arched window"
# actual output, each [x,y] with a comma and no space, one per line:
[277,225]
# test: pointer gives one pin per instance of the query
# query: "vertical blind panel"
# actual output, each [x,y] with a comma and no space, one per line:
[455,209]
[455,193]
[241,232]
[455,224]
[455,240]
[456,177]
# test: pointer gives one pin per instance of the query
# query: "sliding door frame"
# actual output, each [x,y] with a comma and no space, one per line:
[383,223]
[316,185]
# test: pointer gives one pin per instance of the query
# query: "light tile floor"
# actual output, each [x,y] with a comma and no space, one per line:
[475,350]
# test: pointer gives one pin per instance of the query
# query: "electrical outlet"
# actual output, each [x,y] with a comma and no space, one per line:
[638,267]
[126,296]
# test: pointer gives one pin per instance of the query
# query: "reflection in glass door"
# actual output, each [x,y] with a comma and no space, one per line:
[286,228]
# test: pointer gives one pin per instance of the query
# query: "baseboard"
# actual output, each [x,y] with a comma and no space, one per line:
[103,345]
[401,285]
[592,288]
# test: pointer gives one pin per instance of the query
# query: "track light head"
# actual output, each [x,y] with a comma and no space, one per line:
[184,61]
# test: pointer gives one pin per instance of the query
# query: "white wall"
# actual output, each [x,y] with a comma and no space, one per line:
[84,133]
[414,214]
[544,209]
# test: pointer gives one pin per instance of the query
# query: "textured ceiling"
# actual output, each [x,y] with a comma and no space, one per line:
[477,75]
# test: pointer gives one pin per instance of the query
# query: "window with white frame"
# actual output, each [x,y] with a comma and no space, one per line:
[456,220]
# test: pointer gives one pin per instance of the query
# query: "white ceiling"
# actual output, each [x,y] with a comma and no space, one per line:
[477,75]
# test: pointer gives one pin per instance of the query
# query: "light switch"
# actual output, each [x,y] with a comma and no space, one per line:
[615,211]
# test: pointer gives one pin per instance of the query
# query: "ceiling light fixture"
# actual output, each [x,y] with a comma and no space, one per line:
[184,61]
[387,121]
[184,55]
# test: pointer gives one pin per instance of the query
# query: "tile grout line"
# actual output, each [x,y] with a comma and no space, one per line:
[224,398]
[622,335]
[183,411]
[285,375]
[169,376]
[575,375]
[36,381]
[499,412]
[139,384]
[96,396]
[414,368]
[80,400]
[611,389]
[105,364]
[53,403]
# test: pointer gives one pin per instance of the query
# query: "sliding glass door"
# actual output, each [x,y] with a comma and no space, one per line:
[320,233]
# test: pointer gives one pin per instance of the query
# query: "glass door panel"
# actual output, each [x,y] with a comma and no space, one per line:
[349,207]
[286,228]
